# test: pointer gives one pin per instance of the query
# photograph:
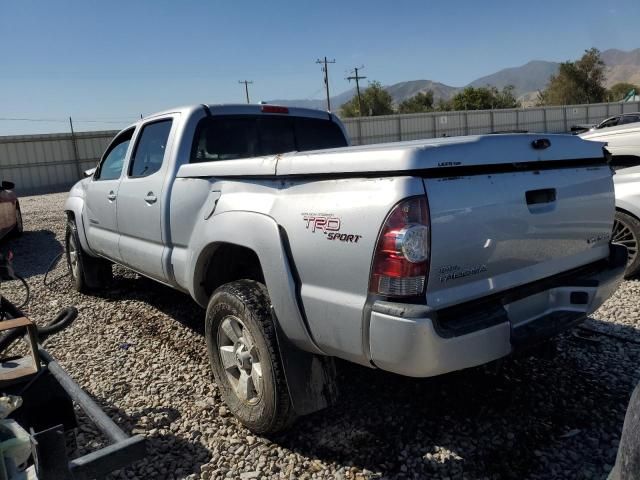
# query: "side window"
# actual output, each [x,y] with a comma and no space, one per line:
[111,166]
[630,119]
[149,151]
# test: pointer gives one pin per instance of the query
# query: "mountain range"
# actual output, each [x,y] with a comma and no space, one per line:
[527,80]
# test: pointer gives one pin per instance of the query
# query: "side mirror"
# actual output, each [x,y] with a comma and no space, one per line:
[90,172]
[8,185]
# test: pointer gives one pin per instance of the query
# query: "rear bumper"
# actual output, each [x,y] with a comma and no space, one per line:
[416,341]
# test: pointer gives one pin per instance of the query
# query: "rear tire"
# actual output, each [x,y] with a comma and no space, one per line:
[86,272]
[243,352]
[626,231]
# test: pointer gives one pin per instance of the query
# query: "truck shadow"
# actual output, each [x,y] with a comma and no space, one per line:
[32,251]
[501,422]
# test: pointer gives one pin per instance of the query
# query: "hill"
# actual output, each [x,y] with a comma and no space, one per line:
[528,79]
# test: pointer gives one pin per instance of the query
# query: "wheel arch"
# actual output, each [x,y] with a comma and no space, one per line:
[257,238]
[624,209]
[73,208]
[224,262]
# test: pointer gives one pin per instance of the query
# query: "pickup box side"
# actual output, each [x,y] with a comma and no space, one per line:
[324,313]
[333,228]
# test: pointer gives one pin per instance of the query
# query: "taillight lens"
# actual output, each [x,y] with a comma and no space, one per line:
[401,260]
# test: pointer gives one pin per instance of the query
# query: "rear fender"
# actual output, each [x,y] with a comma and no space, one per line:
[259,233]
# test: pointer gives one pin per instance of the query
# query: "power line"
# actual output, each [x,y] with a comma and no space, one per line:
[32,120]
[325,69]
[60,120]
[311,97]
[246,87]
[357,78]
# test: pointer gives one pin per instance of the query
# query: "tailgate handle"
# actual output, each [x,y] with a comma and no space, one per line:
[544,195]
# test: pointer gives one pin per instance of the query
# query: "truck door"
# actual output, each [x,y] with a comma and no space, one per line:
[141,201]
[99,215]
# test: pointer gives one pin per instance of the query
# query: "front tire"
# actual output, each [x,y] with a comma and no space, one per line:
[243,352]
[86,272]
[626,231]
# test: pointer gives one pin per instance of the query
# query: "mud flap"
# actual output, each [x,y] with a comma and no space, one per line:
[311,379]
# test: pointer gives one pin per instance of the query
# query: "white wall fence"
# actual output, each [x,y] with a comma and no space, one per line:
[52,162]
[395,128]
[47,163]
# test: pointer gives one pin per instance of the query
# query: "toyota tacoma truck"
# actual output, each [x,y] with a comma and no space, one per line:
[418,258]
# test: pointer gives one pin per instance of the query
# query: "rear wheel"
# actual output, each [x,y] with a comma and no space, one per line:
[243,352]
[86,272]
[626,231]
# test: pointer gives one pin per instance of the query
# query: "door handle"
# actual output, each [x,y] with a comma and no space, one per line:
[111,196]
[544,195]
[150,198]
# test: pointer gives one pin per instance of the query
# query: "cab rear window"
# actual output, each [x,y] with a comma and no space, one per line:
[245,136]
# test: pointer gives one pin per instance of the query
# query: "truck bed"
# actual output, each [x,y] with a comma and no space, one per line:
[441,156]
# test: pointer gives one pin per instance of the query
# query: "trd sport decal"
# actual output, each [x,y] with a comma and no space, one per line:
[329,226]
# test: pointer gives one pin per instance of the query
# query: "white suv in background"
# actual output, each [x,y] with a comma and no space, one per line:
[623,142]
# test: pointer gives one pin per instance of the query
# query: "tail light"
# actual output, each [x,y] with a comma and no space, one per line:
[401,260]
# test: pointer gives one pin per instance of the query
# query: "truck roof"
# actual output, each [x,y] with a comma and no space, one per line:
[238,109]
[244,109]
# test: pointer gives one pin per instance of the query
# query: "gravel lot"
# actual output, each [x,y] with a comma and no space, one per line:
[138,349]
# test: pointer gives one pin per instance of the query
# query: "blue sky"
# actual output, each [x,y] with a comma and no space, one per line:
[105,62]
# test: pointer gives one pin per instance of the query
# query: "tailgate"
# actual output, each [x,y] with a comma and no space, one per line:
[494,231]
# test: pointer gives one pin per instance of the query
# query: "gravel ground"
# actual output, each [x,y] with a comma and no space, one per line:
[138,349]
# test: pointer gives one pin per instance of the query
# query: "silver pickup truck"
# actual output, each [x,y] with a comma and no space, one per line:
[418,258]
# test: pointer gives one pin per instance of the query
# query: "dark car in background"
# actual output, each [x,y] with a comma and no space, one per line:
[10,215]
[622,119]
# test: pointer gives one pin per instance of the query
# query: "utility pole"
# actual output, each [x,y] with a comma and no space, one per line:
[246,87]
[75,149]
[325,69]
[357,78]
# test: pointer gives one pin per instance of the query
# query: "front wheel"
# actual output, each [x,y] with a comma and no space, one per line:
[626,231]
[243,352]
[86,272]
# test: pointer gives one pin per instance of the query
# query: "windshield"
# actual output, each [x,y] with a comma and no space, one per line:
[245,136]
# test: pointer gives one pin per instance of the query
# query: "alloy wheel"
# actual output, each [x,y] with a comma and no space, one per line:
[240,359]
[74,266]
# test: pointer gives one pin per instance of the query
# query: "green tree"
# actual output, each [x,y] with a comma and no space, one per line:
[443,105]
[375,101]
[618,91]
[577,82]
[484,98]
[420,103]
